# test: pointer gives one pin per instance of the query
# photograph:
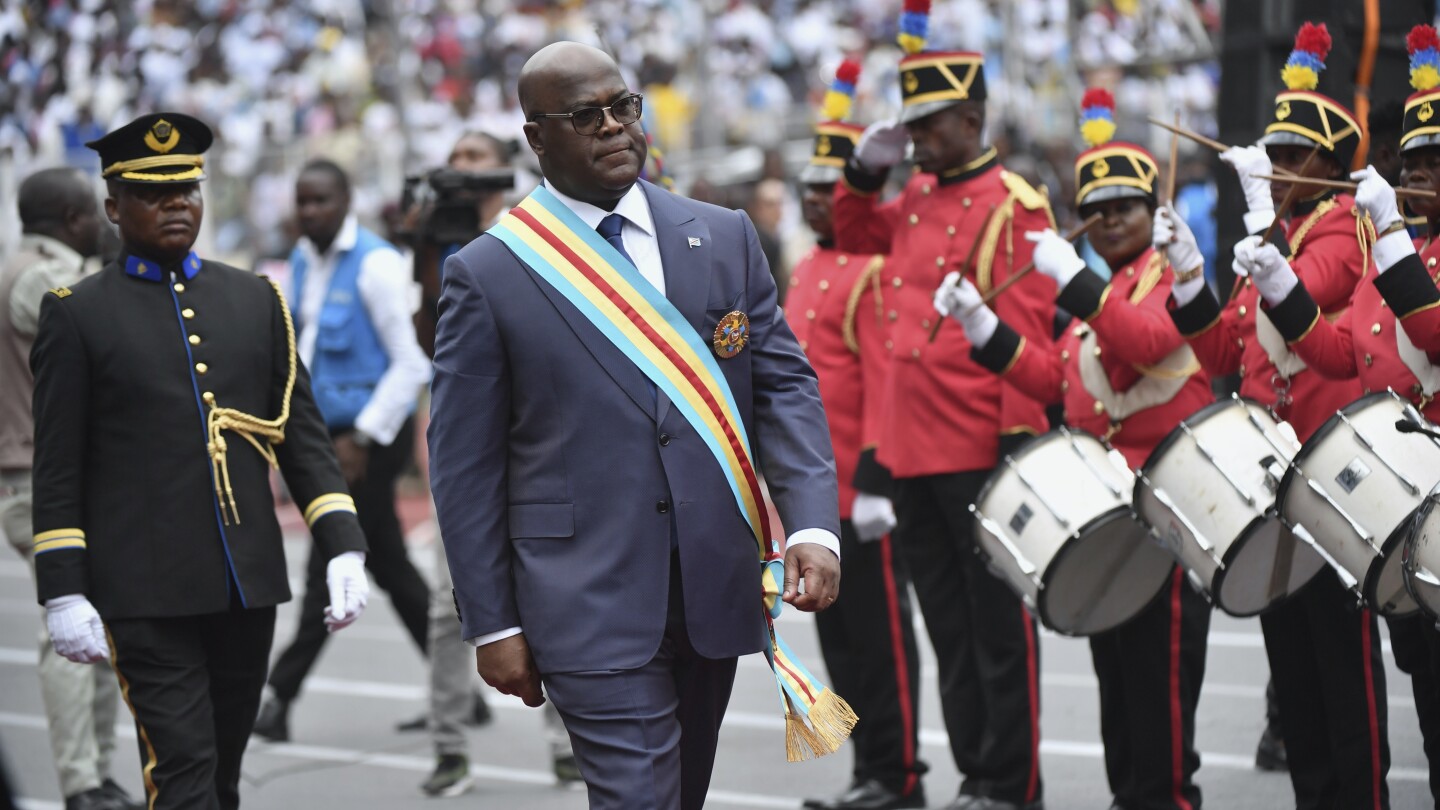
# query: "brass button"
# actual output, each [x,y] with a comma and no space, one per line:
[889,345]
[925,189]
[1129,271]
[809,314]
[939,261]
[950,230]
[179,288]
[794,281]
[1369,360]
[194,340]
[914,219]
[824,284]
[965,202]
[895,283]
[1375,330]
[1240,343]
[804,344]
[925,323]
[187,313]
[893,315]
[843,260]
[201,368]
[1097,351]
[915,353]
[1430,262]
[1242,369]
[1064,355]
[208,397]
[1064,385]
[1243,310]
[1099,408]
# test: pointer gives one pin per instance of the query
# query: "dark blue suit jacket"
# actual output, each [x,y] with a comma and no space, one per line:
[551,454]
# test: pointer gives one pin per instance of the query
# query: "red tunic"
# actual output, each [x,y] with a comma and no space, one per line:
[832,308]
[1361,343]
[945,412]
[1132,332]
[1331,255]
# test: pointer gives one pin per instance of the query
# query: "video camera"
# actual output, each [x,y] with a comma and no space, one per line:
[448,201]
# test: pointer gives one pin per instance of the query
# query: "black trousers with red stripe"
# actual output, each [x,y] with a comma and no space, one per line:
[1416,645]
[868,640]
[193,684]
[1150,670]
[1330,683]
[984,639]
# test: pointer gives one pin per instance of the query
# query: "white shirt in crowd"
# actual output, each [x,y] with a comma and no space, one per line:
[390,298]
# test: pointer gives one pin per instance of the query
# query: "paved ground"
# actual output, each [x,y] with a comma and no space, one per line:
[348,756]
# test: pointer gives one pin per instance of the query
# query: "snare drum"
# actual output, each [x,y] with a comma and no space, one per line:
[1422,556]
[1355,487]
[1054,522]
[1207,493]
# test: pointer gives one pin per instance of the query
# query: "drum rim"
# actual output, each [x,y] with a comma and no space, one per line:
[1421,513]
[1398,536]
[1228,561]
[1191,421]
[1025,449]
[1068,547]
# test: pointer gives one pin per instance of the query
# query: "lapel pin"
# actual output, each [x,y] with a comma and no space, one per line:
[694,241]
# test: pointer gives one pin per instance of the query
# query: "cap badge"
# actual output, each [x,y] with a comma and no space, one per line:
[1283,111]
[1426,112]
[731,334]
[822,145]
[912,82]
[162,137]
[1102,168]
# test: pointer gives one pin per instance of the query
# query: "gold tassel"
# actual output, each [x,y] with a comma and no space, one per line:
[830,722]
[801,743]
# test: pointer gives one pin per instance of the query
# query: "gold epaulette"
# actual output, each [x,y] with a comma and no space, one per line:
[1149,277]
[1019,192]
[870,276]
[61,292]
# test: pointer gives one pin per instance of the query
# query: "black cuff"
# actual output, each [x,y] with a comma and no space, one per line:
[61,573]
[1196,316]
[872,477]
[863,181]
[1000,353]
[1295,316]
[339,532]
[1407,287]
[1084,295]
[1010,444]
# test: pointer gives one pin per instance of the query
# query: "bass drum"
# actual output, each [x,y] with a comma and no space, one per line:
[1354,487]
[1207,492]
[1054,522]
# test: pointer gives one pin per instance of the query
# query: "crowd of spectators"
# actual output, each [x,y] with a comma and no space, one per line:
[384,87]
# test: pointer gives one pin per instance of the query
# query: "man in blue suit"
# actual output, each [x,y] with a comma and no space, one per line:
[597,543]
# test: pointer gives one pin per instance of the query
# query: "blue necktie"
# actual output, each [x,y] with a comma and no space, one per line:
[610,228]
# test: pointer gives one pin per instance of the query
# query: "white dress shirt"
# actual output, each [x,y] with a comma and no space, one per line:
[390,297]
[638,236]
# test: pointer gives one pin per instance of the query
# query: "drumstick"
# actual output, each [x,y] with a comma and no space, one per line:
[1075,233]
[1291,194]
[1174,162]
[1344,185]
[1189,133]
[965,265]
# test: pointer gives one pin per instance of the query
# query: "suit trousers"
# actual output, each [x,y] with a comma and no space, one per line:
[80,700]
[1416,644]
[625,725]
[868,640]
[1150,671]
[193,684]
[1330,683]
[985,640]
[387,561]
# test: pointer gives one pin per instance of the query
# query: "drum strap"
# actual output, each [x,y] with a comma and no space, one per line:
[1418,362]
[1287,363]
[1159,384]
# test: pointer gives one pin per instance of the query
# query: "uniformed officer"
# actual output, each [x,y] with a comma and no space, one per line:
[836,309]
[1389,338]
[950,420]
[1123,373]
[1324,654]
[166,387]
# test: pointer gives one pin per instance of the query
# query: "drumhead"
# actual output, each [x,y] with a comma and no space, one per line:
[1249,585]
[1316,439]
[1192,420]
[1025,449]
[1103,576]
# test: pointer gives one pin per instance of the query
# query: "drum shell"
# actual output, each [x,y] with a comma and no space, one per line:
[1091,573]
[1421,556]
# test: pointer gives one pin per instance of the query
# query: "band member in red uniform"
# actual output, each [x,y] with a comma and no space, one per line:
[948,419]
[1324,654]
[836,308]
[1124,373]
[1390,335]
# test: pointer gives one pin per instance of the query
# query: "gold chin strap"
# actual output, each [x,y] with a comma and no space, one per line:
[263,434]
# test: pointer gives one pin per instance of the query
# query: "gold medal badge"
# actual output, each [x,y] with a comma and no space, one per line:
[731,334]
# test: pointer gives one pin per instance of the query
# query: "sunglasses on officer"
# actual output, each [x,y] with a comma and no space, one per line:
[587,120]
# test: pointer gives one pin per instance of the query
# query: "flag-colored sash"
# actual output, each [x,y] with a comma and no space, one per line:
[610,292]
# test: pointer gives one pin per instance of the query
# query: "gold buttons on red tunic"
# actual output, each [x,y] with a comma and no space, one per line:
[889,345]
[925,189]
[1242,369]
[1099,408]
[1375,330]
[1097,351]
[1243,310]
[950,230]
[843,260]
[925,323]
[824,284]
[809,314]
[915,353]
[893,315]
[1240,343]
[895,283]
[1064,355]
[965,202]
[939,261]
[914,219]
[1064,385]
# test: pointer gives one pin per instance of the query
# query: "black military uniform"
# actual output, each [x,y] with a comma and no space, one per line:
[163,395]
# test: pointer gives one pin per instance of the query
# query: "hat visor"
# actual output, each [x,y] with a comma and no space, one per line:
[914,112]
[820,175]
[1420,142]
[1283,138]
[1105,193]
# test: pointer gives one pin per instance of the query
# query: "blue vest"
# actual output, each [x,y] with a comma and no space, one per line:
[349,358]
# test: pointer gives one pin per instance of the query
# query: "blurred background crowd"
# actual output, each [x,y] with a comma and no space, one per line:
[384,87]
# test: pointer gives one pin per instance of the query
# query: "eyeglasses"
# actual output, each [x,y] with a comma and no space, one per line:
[588,120]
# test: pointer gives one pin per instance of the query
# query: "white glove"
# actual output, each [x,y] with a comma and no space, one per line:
[1249,161]
[957,298]
[882,145]
[1376,198]
[1054,256]
[75,629]
[1171,235]
[1267,268]
[872,515]
[349,589]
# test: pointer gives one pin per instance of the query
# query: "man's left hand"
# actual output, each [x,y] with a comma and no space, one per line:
[349,589]
[820,569]
[352,457]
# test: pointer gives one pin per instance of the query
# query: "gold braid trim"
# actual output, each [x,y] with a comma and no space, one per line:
[1149,277]
[869,276]
[252,429]
[1310,222]
[1026,196]
[1366,236]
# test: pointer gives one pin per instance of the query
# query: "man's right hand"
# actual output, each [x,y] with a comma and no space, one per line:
[508,666]
[1249,161]
[882,145]
[76,629]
